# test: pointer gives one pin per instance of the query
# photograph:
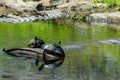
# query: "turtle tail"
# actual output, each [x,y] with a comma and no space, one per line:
[2,50]
[59,42]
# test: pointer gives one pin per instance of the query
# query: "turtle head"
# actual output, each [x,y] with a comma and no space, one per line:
[35,43]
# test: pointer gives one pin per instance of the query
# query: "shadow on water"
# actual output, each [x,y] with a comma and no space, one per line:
[94,62]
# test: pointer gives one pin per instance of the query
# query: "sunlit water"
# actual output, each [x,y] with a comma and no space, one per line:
[94,62]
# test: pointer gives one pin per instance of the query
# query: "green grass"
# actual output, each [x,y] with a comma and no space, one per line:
[110,3]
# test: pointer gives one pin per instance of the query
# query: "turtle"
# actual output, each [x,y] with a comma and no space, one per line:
[54,50]
[53,56]
[35,43]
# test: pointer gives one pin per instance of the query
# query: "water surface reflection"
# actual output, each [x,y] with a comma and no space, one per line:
[94,62]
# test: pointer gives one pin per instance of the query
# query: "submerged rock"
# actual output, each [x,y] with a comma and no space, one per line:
[111,41]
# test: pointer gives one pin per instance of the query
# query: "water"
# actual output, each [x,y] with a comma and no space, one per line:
[94,62]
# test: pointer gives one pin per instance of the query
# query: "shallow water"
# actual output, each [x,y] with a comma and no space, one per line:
[94,62]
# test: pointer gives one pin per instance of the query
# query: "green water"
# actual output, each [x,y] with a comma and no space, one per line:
[95,62]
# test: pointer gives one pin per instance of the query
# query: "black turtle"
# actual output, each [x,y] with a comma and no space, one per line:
[35,43]
[53,50]
[53,56]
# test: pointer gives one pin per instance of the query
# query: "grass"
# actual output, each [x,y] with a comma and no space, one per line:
[110,3]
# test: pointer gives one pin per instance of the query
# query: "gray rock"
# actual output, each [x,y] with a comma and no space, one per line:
[32,18]
[14,5]
[103,19]
[21,20]
[57,15]
[70,47]
[111,41]
[1,19]
[15,20]
[46,17]
[50,15]
[26,19]
[9,20]
[40,17]
[89,19]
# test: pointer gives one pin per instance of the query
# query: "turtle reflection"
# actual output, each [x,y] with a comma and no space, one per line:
[53,63]
[53,56]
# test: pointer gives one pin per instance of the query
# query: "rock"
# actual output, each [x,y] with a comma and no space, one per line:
[107,18]
[40,17]
[111,41]
[101,5]
[82,6]
[21,6]
[21,20]
[12,16]
[32,18]
[76,6]
[15,20]
[14,5]
[66,5]
[58,15]
[70,47]
[26,19]
[44,15]
[51,16]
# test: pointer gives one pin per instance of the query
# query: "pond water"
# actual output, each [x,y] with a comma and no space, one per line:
[94,62]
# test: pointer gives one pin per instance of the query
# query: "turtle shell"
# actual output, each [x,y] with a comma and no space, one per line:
[54,48]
